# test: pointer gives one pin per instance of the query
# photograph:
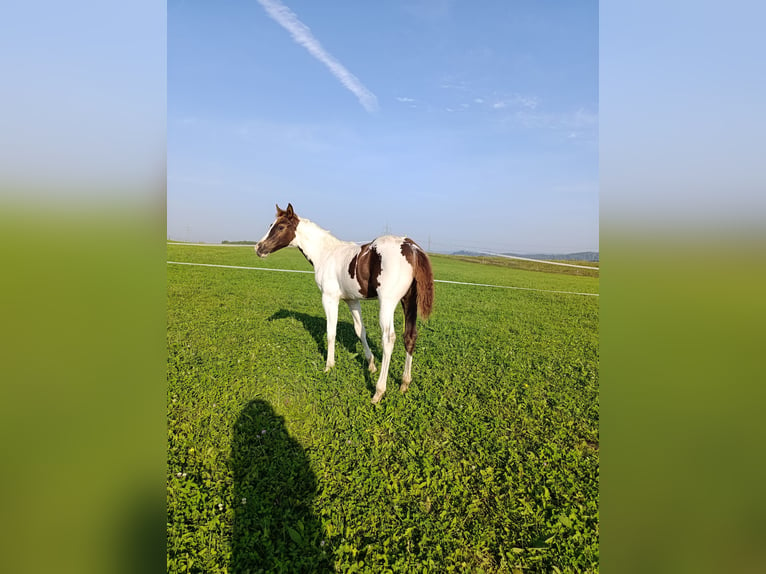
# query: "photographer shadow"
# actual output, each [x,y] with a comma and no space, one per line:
[275,528]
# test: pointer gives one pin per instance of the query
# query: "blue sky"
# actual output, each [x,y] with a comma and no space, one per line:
[465,125]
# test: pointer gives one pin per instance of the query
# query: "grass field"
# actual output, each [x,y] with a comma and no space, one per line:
[489,463]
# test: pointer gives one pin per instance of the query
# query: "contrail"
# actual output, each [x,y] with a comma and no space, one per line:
[303,36]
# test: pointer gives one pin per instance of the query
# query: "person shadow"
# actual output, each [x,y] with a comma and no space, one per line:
[275,528]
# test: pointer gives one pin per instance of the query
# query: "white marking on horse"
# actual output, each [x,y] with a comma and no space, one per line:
[391,269]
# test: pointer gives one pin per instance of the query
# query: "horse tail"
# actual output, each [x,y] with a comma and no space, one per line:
[424,283]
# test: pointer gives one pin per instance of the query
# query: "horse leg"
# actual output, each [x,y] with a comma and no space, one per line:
[330,305]
[356,312]
[389,336]
[410,307]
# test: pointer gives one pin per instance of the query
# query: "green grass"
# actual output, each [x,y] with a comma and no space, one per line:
[489,463]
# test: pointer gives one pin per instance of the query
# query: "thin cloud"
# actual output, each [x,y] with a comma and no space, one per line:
[517,100]
[404,99]
[530,102]
[581,119]
[303,36]
[576,125]
[451,83]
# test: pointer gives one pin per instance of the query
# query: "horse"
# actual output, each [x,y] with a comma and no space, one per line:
[389,268]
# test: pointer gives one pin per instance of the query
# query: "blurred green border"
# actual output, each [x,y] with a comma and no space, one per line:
[82,417]
[682,396]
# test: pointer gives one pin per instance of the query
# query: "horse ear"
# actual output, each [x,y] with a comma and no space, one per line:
[279,210]
[290,212]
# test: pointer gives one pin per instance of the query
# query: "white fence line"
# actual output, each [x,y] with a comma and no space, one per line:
[239,267]
[251,245]
[512,287]
[435,280]
[537,260]
[477,251]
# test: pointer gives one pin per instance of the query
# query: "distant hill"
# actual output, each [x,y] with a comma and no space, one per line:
[238,242]
[579,256]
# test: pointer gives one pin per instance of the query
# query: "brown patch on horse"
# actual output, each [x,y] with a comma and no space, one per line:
[366,267]
[282,232]
[408,251]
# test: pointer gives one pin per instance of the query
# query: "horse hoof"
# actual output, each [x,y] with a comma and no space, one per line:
[404,387]
[373,368]
[376,398]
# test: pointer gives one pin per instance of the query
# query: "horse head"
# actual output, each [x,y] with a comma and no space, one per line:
[280,234]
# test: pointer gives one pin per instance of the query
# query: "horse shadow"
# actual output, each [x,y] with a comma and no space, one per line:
[275,528]
[344,335]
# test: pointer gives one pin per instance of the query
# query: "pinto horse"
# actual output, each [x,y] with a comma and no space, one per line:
[390,268]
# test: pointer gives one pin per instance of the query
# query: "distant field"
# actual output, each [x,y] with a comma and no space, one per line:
[534,266]
[488,464]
